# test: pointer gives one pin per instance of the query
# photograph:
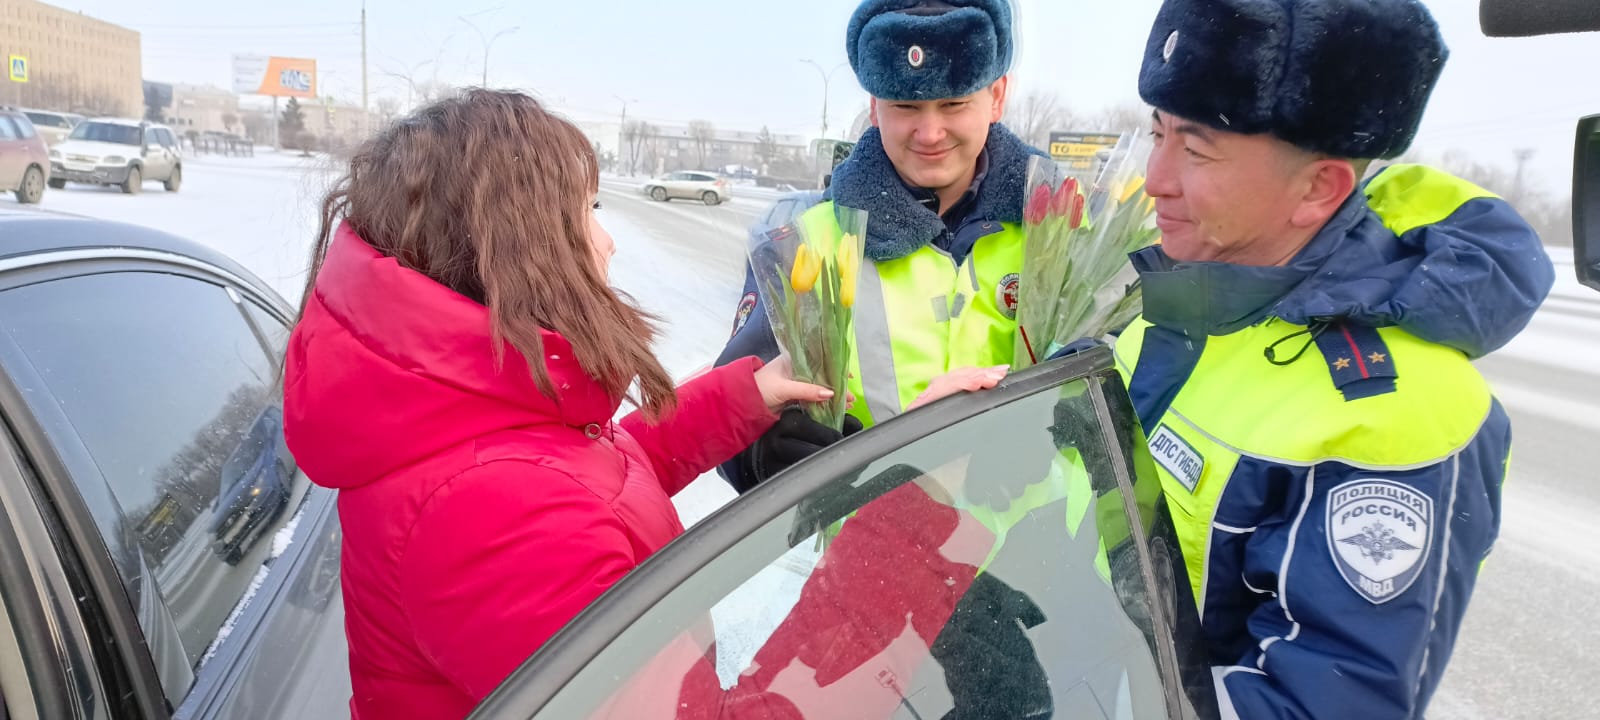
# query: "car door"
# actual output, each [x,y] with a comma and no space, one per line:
[675,183]
[157,159]
[13,155]
[145,389]
[1003,554]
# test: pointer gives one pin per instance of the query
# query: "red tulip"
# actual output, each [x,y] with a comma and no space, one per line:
[1077,212]
[1061,206]
[1038,207]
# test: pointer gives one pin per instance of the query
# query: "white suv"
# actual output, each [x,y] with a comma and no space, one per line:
[118,152]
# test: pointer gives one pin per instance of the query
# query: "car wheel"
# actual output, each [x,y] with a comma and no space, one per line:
[175,181]
[56,184]
[658,194]
[710,198]
[32,188]
[135,181]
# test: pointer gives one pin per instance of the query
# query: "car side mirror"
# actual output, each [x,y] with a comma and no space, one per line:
[1586,202]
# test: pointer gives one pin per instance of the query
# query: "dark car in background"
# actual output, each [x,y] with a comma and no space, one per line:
[784,211]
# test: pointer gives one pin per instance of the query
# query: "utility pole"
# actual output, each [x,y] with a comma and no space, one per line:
[1523,155]
[622,133]
[366,111]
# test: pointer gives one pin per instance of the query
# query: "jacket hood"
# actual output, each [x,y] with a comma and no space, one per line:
[388,367]
[1417,249]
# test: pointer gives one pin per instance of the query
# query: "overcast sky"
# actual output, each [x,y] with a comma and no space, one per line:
[738,62]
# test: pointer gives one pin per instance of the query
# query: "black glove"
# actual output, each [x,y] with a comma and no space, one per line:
[989,663]
[794,438]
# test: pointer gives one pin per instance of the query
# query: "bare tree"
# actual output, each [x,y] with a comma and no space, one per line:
[257,127]
[766,147]
[702,133]
[387,109]
[1035,116]
[1127,117]
[638,136]
[433,91]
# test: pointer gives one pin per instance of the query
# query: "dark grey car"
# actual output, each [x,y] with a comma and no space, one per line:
[139,393]
[1077,606]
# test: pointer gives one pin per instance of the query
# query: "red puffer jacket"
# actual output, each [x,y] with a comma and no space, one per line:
[479,515]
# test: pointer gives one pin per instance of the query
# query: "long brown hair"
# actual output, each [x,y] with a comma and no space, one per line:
[489,194]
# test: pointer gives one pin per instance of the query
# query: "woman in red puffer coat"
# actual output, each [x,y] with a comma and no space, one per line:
[454,374]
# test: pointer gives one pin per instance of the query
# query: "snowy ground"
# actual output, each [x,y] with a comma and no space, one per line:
[1528,641]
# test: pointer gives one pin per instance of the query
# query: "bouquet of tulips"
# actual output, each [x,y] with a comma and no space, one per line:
[807,279]
[1077,281]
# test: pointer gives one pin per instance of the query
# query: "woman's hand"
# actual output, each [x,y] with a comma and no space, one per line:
[779,388]
[964,380]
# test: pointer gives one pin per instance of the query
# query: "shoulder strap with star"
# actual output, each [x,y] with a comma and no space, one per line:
[1358,359]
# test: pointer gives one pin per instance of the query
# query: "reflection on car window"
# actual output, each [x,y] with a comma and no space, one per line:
[986,570]
[7,130]
[172,393]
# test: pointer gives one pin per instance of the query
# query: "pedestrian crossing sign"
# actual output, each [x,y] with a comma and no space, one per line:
[19,69]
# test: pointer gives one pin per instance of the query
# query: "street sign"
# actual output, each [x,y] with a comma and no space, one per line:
[1080,151]
[19,69]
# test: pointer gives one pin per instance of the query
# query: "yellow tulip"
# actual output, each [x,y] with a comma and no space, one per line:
[807,266]
[1133,188]
[849,269]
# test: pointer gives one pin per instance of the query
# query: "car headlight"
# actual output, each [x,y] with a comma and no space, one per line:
[114,160]
[255,491]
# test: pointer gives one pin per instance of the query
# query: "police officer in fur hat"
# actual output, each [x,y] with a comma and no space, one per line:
[1330,457]
[943,182]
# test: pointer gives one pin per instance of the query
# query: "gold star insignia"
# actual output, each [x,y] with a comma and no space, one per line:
[1377,357]
[1342,364]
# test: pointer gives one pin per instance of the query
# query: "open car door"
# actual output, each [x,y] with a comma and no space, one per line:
[1002,554]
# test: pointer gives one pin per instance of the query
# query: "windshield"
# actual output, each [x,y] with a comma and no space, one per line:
[107,133]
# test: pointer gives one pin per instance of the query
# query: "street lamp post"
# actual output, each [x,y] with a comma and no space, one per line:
[827,79]
[488,42]
[410,79]
[622,132]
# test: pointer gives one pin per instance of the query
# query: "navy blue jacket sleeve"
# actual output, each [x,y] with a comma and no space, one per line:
[1362,589]
[752,335]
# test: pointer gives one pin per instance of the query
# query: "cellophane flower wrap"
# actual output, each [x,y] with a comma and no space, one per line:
[807,276]
[1077,281]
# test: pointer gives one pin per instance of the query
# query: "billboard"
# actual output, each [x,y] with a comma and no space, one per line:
[275,76]
[1079,151]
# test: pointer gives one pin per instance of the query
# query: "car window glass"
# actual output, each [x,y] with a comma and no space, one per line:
[7,130]
[23,127]
[780,213]
[172,393]
[167,139]
[46,120]
[107,133]
[985,570]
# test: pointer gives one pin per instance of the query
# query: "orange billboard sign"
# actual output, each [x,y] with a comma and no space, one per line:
[275,76]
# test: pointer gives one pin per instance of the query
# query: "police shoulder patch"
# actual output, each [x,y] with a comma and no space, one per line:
[1005,295]
[742,316]
[1177,456]
[1379,534]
